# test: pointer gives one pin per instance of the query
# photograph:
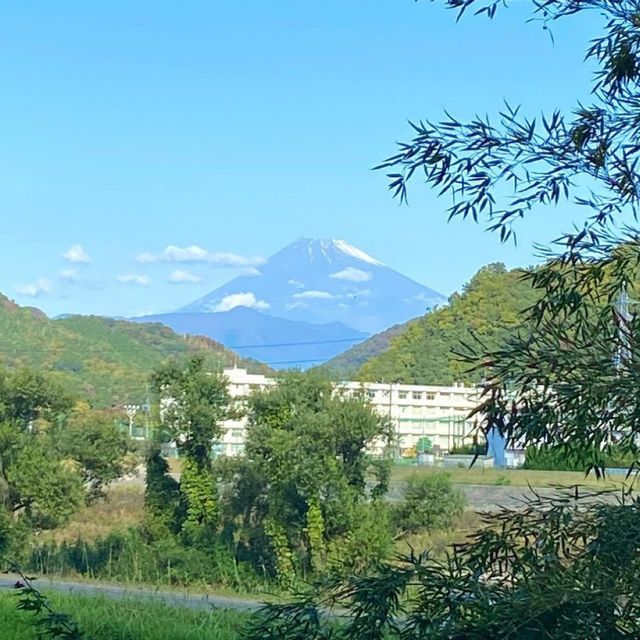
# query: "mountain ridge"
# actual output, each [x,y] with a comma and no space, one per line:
[274,341]
[101,360]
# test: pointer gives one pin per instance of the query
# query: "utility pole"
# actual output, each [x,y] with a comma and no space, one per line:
[623,320]
[131,411]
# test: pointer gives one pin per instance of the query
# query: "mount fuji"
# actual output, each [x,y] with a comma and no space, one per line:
[308,302]
[323,281]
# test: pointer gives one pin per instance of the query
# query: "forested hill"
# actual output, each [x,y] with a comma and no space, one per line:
[102,360]
[489,307]
[347,365]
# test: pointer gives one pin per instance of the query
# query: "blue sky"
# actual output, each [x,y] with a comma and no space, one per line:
[130,126]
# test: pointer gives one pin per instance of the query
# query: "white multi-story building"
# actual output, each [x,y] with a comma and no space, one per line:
[416,411]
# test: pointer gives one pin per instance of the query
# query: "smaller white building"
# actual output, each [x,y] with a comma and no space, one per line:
[240,385]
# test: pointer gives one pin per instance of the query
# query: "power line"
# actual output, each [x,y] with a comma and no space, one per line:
[294,361]
[236,347]
[293,344]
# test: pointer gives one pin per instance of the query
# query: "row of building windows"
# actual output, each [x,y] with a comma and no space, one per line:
[403,395]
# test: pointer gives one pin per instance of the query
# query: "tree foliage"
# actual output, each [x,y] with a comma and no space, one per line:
[195,404]
[564,567]
[93,440]
[488,311]
[103,361]
[52,456]
[299,502]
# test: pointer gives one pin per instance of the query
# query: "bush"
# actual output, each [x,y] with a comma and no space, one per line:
[430,503]
[558,458]
[129,556]
[366,544]
[469,449]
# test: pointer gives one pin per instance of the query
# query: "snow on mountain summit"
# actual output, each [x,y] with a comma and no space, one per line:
[354,252]
[329,249]
[322,281]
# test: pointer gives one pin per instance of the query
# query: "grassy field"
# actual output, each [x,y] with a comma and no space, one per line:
[122,508]
[124,619]
[509,477]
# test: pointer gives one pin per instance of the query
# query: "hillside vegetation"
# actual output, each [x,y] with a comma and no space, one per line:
[104,361]
[346,365]
[488,309]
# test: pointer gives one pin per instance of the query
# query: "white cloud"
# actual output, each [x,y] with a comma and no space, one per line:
[233,260]
[68,275]
[76,254]
[184,277]
[131,278]
[247,299]
[35,289]
[351,274]
[319,295]
[145,258]
[296,283]
[195,253]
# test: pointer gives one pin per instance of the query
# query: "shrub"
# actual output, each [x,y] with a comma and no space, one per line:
[430,503]
[559,458]
[469,449]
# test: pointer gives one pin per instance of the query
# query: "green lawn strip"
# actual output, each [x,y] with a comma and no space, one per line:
[195,590]
[126,618]
[511,477]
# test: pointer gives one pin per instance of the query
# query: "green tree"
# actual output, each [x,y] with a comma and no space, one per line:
[44,488]
[35,484]
[162,500]
[52,458]
[194,403]
[28,396]
[94,442]
[303,485]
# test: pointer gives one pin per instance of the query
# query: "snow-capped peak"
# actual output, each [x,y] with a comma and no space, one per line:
[354,252]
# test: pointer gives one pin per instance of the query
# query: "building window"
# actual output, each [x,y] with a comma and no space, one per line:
[371,393]
[417,395]
[402,395]
[236,433]
[431,396]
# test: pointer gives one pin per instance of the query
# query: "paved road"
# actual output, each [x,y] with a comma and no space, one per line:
[487,498]
[490,497]
[175,599]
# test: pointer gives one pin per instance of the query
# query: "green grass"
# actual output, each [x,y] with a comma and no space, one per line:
[124,619]
[507,477]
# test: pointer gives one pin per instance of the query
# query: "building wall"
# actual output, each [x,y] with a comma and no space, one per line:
[438,413]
